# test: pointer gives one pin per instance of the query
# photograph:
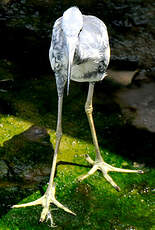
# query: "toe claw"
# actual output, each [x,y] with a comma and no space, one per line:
[140,171]
[81,178]
[50,218]
[117,188]
[44,213]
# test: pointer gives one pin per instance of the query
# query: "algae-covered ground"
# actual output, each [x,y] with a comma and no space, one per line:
[96,203]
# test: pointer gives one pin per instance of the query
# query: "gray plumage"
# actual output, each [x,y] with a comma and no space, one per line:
[92,52]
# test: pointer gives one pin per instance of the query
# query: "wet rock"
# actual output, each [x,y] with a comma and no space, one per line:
[28,155]
[131,38]
[138,101]
[11,193]
[123,62]
[130,27]
[26,27]
[121,77]
[143,76]
[25,163]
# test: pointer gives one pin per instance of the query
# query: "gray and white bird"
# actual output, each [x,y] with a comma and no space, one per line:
[80,52]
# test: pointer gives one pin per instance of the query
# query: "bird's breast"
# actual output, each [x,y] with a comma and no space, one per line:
[86,72]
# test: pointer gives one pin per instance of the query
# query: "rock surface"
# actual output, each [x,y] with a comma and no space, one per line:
[137,102]
[28,155]
[26,27]
[122,77]
[25,162]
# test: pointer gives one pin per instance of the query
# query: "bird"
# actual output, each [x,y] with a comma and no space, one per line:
[80,52]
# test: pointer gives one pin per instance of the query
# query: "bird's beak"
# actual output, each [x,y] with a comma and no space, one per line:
[71,44]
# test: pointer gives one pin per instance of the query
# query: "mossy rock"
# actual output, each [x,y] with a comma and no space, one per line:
[28,154]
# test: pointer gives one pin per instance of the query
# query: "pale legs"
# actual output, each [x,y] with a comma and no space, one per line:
[99,163]
[49,196]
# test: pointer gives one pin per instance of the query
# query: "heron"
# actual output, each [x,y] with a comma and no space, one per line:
[80,52]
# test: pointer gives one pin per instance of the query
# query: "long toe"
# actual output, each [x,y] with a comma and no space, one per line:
[110,180]
[59,205]
[47,199]
[33,203]
[90,172]
[50,218]
[105,168]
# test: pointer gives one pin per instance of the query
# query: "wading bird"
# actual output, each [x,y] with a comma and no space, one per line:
[79,51]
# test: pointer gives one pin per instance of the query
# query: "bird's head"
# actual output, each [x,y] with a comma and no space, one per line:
[72,23]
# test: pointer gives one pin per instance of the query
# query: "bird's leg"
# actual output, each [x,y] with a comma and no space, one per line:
[99,163]
[49,196]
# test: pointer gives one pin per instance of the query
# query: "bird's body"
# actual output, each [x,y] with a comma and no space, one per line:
[92,51]
[79,51]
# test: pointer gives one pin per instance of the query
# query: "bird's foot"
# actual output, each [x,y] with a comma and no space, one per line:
[105,168]
[45,201]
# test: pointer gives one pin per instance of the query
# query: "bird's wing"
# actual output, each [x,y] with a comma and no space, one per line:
[56,48]
[93,39]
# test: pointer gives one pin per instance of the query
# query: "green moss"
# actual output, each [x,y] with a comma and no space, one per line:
[96,203]
[11,126]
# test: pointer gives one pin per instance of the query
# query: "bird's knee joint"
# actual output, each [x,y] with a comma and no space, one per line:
[59,134]
[88,109]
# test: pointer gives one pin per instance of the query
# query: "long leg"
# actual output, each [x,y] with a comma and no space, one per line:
[51,180]
[89,111]
[49,196]
[99,162]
